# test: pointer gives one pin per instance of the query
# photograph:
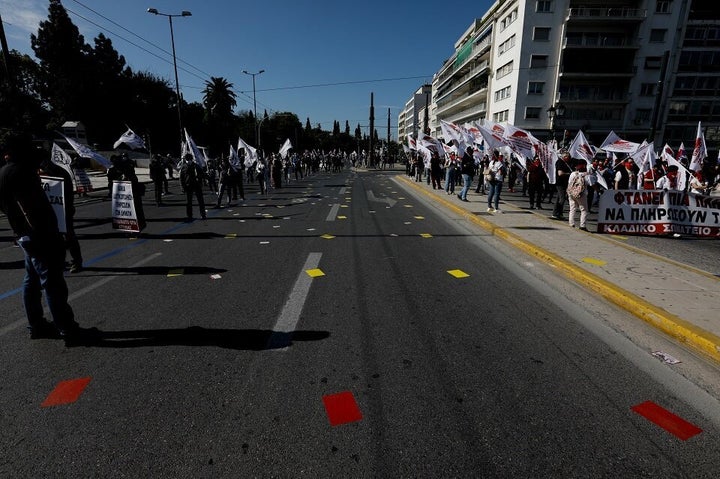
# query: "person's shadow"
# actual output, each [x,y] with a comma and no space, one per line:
[240,339]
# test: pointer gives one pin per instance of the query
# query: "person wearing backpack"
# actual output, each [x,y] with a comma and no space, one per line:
[577,194]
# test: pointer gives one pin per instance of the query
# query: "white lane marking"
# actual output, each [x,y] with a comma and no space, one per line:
[79,293]
[333,212]
[290,314]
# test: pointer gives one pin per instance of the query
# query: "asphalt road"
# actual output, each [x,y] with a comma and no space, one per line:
[318,332]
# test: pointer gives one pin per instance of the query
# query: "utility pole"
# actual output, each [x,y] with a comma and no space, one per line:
[371,158]
[6,57]
[388,138]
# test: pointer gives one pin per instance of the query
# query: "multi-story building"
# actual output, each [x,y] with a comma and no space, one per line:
[411,120]
[647,69]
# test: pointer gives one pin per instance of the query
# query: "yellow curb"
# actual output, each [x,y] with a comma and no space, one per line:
[687,333]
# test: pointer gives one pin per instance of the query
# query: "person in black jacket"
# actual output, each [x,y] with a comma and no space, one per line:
[562,175]
[191,180]
[467,170]
[34,223]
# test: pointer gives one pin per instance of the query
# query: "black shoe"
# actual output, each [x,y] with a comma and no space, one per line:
[44,330]
[77,336]
[582,228]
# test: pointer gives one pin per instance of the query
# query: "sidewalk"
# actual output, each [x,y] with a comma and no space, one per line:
[679,300]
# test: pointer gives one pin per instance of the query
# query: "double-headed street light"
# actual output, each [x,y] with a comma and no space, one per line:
[257,134]
[184,13]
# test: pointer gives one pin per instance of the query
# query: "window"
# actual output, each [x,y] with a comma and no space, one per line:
[538,61]
[663,6]
[532,113]
[503,93]
[506,45]
[657,35]
[647,89]
[543,6]
[642,115]
[541,34]
[653,63]
[501,116]
[508,20]
[535,87]
[504,70]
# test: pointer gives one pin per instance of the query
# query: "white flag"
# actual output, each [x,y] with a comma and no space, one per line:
[580,148]
[285,148]
[519,141]
[87,152]
[616,144]
[234,159]
[62,159]
[250,153]
[130,139]
[700,151]
[195,151]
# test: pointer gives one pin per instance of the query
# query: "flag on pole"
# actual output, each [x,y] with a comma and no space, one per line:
[411,143]
[285,148]
[87,152]
[700,150]
[234,159]
[580,148]
[681,151]
[130,139]
[520,141]
[492,133]
[616,144]
[192,148]
[451,131]
[62,159]
[251,155]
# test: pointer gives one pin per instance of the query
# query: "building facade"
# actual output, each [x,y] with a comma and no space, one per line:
[647,69]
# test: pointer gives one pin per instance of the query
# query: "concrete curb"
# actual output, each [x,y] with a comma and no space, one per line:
[697,338]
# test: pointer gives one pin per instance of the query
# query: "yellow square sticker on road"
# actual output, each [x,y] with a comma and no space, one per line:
[327,236]
[426,235]
[458,273]
[175,272]
[231,235]
[314,273]
[342,217]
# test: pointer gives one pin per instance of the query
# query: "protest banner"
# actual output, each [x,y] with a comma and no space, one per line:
[124,217]
[658,212]
[55,192]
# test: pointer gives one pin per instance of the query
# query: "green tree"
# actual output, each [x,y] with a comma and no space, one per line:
[219,101]
[61,51]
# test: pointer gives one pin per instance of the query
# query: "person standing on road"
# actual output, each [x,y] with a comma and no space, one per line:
[191,180]
[467,169]
[495,177]
[261,170]
[157,175]
[34,223]
[577,195]
[562,174]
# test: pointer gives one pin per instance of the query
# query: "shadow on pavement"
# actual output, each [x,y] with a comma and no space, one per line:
[239,339]
[151,270]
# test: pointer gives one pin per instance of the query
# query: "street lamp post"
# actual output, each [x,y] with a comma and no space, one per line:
[257,134]
[184,13]
[555,111]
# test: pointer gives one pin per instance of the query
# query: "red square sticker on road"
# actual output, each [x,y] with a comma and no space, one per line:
[341,408]
[66,392]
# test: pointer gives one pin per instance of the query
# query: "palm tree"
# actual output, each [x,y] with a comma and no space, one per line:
[219,101]
[219,98]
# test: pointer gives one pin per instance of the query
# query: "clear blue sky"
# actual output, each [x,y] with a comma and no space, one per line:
[322,58]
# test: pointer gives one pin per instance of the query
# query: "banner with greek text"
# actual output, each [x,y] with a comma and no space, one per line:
[124,217]
[658,212]
[55,192]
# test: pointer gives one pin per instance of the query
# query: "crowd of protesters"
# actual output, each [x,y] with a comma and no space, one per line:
[575,182]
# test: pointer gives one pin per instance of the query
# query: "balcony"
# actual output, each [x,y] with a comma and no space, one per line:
[599,41]
[606,14]
[477,50]
[446,106]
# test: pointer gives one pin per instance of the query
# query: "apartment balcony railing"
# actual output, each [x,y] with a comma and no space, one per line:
[610,13]
[600,41]
[450,103]
[452,68]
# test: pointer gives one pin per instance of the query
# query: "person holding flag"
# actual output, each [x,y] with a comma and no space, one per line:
[191,181]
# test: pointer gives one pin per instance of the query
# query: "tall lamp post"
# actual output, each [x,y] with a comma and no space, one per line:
[184,13]
[555,111]
[257,133]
